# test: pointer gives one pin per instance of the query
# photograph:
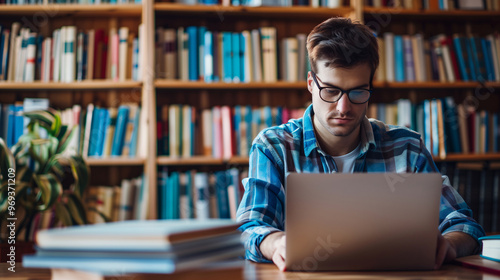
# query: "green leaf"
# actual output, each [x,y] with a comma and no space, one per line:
[63,215]
[7,160]
[50,190]
[79,169]
[76,209]
[38,153]
[81,174]
[104,217]
[49,119]
[64,137]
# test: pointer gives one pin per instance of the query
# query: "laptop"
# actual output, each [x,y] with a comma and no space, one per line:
[361,221]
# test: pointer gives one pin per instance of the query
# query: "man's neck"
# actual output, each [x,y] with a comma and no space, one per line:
[336,145]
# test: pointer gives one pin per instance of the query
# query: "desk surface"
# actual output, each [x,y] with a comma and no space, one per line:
[253,271]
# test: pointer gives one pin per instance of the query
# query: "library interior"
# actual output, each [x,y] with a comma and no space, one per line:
[146,110]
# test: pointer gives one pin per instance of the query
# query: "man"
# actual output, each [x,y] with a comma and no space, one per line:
[334,135]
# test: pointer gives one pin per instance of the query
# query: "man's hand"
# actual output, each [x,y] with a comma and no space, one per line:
[454,245]
[446,251]
[273,248]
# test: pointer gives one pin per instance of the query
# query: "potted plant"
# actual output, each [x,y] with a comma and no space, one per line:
[38,174]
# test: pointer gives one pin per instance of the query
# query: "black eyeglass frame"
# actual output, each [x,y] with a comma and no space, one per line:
[341,91]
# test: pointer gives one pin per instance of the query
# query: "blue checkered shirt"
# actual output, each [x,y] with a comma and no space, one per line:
[292,147]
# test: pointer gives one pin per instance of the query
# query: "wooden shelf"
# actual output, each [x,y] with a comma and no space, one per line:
[469,157]
[199,160]
[219,10]
[431,85]
[83,85]
[240,160]
[175,84]
[116,161]
[426,14]
[58,10]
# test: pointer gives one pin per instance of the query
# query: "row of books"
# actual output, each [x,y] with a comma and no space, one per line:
[411,58]
[197,54]
[479,186]
[84,2]
[112,131]
[443,5]
[69,55]
[220,132]
[99,132]
[445,127]
[117,203]
[276,3]
[199,195]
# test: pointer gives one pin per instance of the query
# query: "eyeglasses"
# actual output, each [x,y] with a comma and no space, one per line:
[333,94]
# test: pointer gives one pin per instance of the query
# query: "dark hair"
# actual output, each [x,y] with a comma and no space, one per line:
[342,43]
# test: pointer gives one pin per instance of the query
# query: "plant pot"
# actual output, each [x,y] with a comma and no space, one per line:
[21,248]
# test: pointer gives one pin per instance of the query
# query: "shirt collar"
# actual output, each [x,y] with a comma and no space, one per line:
[310,142]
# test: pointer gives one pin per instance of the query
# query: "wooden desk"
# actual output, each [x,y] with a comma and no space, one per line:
[253,271]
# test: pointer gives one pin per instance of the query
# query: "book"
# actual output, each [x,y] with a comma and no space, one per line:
[491,247]
[399,59]
[389,56]
[161,234]
[123,53]
[120,130]
[482,264]
[121,265]
[193,52]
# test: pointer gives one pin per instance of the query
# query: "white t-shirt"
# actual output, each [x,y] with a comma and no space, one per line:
[345,163]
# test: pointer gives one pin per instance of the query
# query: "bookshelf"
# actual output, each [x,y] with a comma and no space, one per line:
[474,175]
[82,85]
[434,85]
[103,92]
[64,10]
[175,84]
[431,14]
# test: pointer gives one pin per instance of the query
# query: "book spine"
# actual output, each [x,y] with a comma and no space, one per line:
[29,72]
[228,57]
[121,124]
[208,57]
[70,55]
[235,57]
[79,56]
[399,58]
[193,52]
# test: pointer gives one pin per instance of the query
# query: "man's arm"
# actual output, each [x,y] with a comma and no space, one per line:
[454,245]
[460,231]
[262,207]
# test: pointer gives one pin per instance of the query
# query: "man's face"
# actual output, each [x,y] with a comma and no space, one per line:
[341,118]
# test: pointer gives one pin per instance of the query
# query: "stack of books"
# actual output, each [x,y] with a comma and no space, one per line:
[153,246]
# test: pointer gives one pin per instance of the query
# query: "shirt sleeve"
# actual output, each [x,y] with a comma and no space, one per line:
[261,210]
[454,213]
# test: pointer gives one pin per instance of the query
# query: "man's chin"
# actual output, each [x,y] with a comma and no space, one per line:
[342,132]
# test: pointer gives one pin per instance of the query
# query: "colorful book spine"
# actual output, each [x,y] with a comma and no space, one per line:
[399,58]
[123,58]
[236,59]
[120,129]
[228,57]
[193,52]
[29,71]
[208,57]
